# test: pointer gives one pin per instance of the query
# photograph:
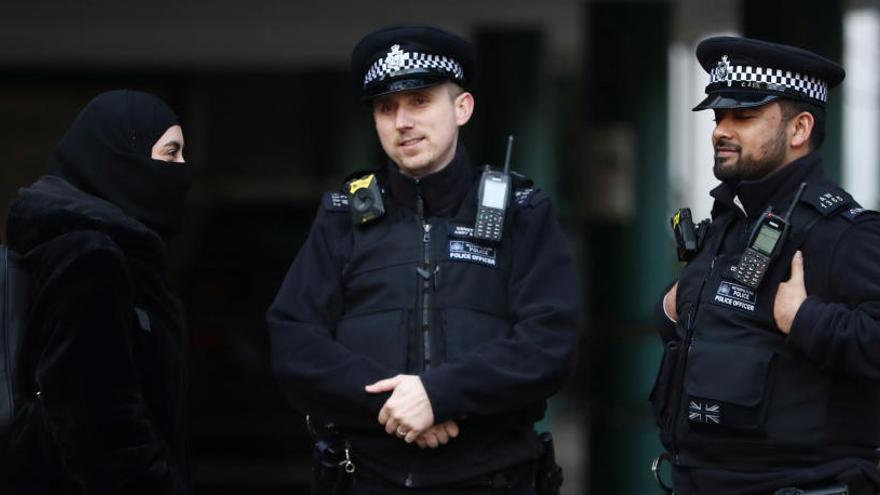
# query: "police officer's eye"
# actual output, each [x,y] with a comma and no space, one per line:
[382,107]
[743,114]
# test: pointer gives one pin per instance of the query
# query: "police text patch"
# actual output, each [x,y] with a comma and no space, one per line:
[468,251]
[736,296]
[461,231]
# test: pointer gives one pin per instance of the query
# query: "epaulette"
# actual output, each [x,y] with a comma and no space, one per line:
[524,190]
[827,198]
[857,214]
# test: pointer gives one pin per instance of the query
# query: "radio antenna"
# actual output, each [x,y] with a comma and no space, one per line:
[794,202]
[507,158]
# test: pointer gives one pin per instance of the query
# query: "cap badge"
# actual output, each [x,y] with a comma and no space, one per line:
[395,58]
[723,70]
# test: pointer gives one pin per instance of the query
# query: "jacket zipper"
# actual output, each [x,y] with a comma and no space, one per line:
[426,275]
[672,426]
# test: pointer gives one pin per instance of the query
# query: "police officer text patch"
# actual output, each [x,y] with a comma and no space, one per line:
[736,296]
[468,251]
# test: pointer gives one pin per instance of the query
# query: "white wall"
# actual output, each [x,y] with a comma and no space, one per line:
[861,104]
[690,146]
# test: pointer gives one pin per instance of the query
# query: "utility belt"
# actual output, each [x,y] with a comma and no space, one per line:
[837,489]
[829,490]
[544,475]
[333,469]
[520,475]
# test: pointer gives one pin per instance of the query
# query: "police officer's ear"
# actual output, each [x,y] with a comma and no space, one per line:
[801,128]
[464,108]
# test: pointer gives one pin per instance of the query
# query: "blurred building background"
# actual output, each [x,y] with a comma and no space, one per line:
[598,94]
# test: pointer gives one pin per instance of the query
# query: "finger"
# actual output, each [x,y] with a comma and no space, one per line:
[431,439]
[386,385]
[797,267]
[411,436]
[669,303]
[441,435]
[421,442]
[400,432]
[673,293]
[384,414]
[451,428]
[391,426]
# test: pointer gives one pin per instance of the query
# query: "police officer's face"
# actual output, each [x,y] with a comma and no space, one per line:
[419,129]
[749,142]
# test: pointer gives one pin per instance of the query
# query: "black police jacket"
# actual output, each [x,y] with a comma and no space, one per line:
[491,329]
[733,391]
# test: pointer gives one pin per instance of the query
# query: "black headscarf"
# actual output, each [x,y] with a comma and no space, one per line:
[106,153]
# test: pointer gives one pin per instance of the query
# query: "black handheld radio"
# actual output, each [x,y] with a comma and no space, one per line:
[492,200]
[767,238]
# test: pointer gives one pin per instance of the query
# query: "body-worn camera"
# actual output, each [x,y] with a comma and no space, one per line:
[364,199]
[688,237]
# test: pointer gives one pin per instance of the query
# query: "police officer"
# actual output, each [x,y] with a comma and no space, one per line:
[429,350]
[769,382]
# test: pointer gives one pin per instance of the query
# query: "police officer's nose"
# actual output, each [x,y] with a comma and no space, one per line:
[402,119]
[722,129]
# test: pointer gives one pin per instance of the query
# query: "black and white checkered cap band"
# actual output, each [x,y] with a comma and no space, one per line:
[773,79]
[408,61]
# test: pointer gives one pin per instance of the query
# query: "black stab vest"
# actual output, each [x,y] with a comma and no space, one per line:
[416,298]
[730,391]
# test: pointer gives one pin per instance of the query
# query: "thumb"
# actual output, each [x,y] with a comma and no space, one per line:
[797,268]
[386,385]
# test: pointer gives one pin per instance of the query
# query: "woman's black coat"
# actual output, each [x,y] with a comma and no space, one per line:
[102,377]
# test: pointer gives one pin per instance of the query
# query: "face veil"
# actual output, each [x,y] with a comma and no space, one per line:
[107,151]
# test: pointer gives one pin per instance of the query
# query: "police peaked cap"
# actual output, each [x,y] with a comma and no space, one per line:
[402,58]
[746,73]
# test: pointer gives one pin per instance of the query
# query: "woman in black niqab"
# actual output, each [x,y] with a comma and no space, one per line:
[107,152]
[101,379]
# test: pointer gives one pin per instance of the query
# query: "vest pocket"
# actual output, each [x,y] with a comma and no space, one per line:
[380,336]
[728,386]
[663,384]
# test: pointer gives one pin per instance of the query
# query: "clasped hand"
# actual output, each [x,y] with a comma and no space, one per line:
[408,414]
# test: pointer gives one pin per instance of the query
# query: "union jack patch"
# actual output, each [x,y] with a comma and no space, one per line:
[704,412]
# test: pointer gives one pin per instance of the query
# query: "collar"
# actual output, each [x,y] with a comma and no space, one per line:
[756,195]
[52,207]
[442,192]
